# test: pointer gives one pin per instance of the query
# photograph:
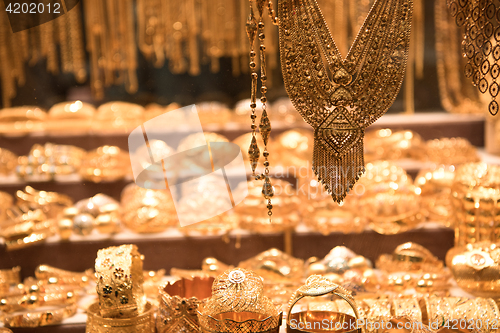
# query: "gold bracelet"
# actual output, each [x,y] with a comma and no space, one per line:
[11,275]
[61,276]
[22,242]
[39,318]
[120,282]
[179,304]
[408,308]
[106,163]
[307,321]
[238,305]
[8,161]
[143,323]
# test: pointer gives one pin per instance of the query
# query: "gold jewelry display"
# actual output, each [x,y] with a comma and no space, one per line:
[478,314]
[144,322]
[51,203]
[452,151]
[341,98]
[120,282]
[409,257]
[434,184]
[106,163]
[8,161]
[118,115]
[10,276]
[275,266]
[69,117]
[21,120]
[388,199]
[62,276]
[50,160]
[179,303]
[25,227]
[315,286]
[475,191]
[376,310]
[386,144]
[110,34]
[476,268]
[286,206]
[147,211]
[35,318]
[407,307]
[480,44]
[31,45]
[237,305]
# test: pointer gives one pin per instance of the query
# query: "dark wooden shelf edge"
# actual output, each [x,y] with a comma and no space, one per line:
[189,252]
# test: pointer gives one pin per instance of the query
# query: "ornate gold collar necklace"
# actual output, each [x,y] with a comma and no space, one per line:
[340,97]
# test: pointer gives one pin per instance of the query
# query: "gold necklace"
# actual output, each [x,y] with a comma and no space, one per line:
[340,97]
[257,29]
[481,44]
[457,95]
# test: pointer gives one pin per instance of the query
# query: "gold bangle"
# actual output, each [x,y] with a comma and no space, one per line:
[238,305]
[146,210]
[106,163]
[46,272]
[407,308]
[21,120]
[11,275]
[305,321]
[120,281]
[39,318]
[8,161]
[143,323]
[179,304]
[22,242]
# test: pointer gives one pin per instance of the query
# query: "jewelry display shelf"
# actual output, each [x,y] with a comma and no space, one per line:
[173,249]
[188,252]
[430,125]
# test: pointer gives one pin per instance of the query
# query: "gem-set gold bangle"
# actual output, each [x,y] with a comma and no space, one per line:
[179,304]
[120,281]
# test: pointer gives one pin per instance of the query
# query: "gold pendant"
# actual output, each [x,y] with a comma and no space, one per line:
[340,97]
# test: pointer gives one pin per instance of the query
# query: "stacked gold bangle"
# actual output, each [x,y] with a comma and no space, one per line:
[21,120]
[25,228]
[144,323]
[122,305]
[106,163]
[50,160]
